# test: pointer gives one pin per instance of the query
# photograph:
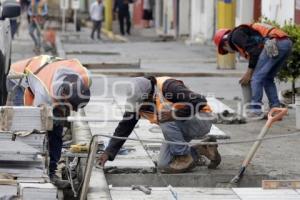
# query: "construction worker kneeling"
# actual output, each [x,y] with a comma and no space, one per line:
[182,115]
[62,84]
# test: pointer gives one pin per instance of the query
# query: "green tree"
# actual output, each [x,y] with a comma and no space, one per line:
[291,71]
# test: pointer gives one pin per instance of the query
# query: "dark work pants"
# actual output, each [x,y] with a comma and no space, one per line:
[55,147]
[96,27]
[124,16]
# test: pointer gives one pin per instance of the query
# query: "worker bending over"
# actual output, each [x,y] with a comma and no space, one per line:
[266,48]
[181,114]
[62,84]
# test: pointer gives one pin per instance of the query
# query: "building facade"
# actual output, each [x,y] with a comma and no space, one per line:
[197,18]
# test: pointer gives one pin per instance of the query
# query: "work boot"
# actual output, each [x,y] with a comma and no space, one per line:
[180,164]
[253,116]
[210,152]
[59,183]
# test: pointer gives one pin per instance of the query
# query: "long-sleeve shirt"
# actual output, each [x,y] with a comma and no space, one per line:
[96,11]
[174,91]
[249,40]
[122,6]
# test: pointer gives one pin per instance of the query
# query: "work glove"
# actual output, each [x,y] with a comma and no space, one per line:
[271,48]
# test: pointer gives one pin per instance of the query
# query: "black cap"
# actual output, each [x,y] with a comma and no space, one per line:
[75,92]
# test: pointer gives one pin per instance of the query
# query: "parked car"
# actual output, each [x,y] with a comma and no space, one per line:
[8,9]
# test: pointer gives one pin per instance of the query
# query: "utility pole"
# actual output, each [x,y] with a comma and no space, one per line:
[226,11]
[108,14]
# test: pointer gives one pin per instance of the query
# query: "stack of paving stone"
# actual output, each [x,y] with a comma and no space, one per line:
[22,158]
[19,118]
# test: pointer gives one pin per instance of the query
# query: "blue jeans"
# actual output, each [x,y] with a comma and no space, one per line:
[96,28]
[55,147]
[264,74]
[181,131]
[18,98]
[35,37]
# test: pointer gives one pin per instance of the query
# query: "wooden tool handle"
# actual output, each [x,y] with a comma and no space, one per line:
[276,114]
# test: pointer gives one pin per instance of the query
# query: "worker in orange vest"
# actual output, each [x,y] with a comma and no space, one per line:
[181,114]
[267,48]
[62,84]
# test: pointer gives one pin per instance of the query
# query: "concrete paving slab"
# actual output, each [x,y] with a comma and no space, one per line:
[25,118]
[24,171]
[7,191]
[218,106]
[165,193]
[17,151]
[34,140]
[136,159]
[44,191]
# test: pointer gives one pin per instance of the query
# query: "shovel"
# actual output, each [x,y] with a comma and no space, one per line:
[276,114]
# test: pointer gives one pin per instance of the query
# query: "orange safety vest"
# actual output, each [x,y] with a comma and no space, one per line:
[163,104]
[45,75]
[265,30]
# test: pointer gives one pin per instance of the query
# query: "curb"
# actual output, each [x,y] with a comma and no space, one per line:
[113,36]
[173,74]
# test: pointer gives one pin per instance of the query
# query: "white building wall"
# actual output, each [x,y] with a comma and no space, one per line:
[164,17]
[244,11]
[202,20]
[158,14]
[184,17]
[279,10]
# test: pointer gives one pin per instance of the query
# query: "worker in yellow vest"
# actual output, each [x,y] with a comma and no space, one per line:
[62,84]
[267,48]
[182,115]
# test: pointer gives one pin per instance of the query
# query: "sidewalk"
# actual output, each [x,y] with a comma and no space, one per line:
[22,45]
[155,57]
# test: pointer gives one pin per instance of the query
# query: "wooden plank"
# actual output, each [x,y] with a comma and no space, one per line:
[259,193]
[281,184]
[8,182]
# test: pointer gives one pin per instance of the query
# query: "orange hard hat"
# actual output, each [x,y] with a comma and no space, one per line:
[218,39]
